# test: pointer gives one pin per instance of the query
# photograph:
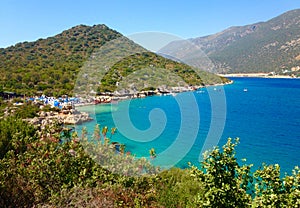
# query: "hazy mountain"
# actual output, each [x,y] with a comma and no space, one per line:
[261,47]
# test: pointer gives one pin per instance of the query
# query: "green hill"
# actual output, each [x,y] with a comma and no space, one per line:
[51,65]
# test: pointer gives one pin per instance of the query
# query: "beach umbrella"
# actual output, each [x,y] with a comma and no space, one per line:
[56,103]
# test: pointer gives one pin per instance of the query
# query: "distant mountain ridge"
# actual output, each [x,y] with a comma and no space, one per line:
[271,46]
[221,40]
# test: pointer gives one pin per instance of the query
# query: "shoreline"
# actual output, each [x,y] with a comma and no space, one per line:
[115,98]
[258,75]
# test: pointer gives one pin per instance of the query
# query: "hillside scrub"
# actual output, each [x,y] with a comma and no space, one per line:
[45,172]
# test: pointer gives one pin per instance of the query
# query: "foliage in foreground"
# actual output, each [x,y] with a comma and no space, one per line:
[15,134]
[228,184]
[61,174]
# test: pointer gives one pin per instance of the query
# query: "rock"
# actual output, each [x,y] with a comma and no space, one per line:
[50,118]
[70,120]
[42,114]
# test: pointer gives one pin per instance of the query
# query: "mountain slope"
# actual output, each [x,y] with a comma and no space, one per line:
[261,47]
[272,46]
[52,65]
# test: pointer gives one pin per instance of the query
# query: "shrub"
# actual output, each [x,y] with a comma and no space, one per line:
[273,191]
[28,110]
[15,134]
[225,182]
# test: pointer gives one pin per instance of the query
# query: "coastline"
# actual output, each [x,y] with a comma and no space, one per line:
[143,94]
[258,75]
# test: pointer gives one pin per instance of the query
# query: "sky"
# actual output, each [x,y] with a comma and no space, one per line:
[33,19]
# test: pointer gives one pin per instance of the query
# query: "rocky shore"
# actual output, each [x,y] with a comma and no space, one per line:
[68,117]
[127,94]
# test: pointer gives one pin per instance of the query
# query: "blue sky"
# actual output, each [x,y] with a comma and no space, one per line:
[33,19]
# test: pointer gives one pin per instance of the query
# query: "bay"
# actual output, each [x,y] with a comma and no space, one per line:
[263,113]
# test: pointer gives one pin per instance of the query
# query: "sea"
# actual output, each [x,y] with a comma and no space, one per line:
[264,113]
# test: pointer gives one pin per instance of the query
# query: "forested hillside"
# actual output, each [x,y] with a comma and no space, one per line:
[51,65]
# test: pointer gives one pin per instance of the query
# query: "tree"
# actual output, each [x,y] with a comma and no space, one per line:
[225,182]
[273,191]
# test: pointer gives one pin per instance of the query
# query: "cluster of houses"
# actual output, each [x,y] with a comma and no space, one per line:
[61,102]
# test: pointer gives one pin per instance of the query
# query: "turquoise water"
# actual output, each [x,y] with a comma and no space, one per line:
[266,118]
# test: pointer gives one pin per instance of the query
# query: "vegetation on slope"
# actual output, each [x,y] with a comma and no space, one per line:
[51,65]
[157,68]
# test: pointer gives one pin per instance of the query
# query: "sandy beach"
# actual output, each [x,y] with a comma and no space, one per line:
[262,75]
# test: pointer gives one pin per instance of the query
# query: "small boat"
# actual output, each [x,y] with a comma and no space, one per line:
[245,90]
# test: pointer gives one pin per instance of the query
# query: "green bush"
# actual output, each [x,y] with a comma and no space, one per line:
[273,191]
[176,188]
[27,110]
[225,182]
[46,167]
[15,134]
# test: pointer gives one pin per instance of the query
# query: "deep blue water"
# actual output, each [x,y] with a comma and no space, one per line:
[266,118]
